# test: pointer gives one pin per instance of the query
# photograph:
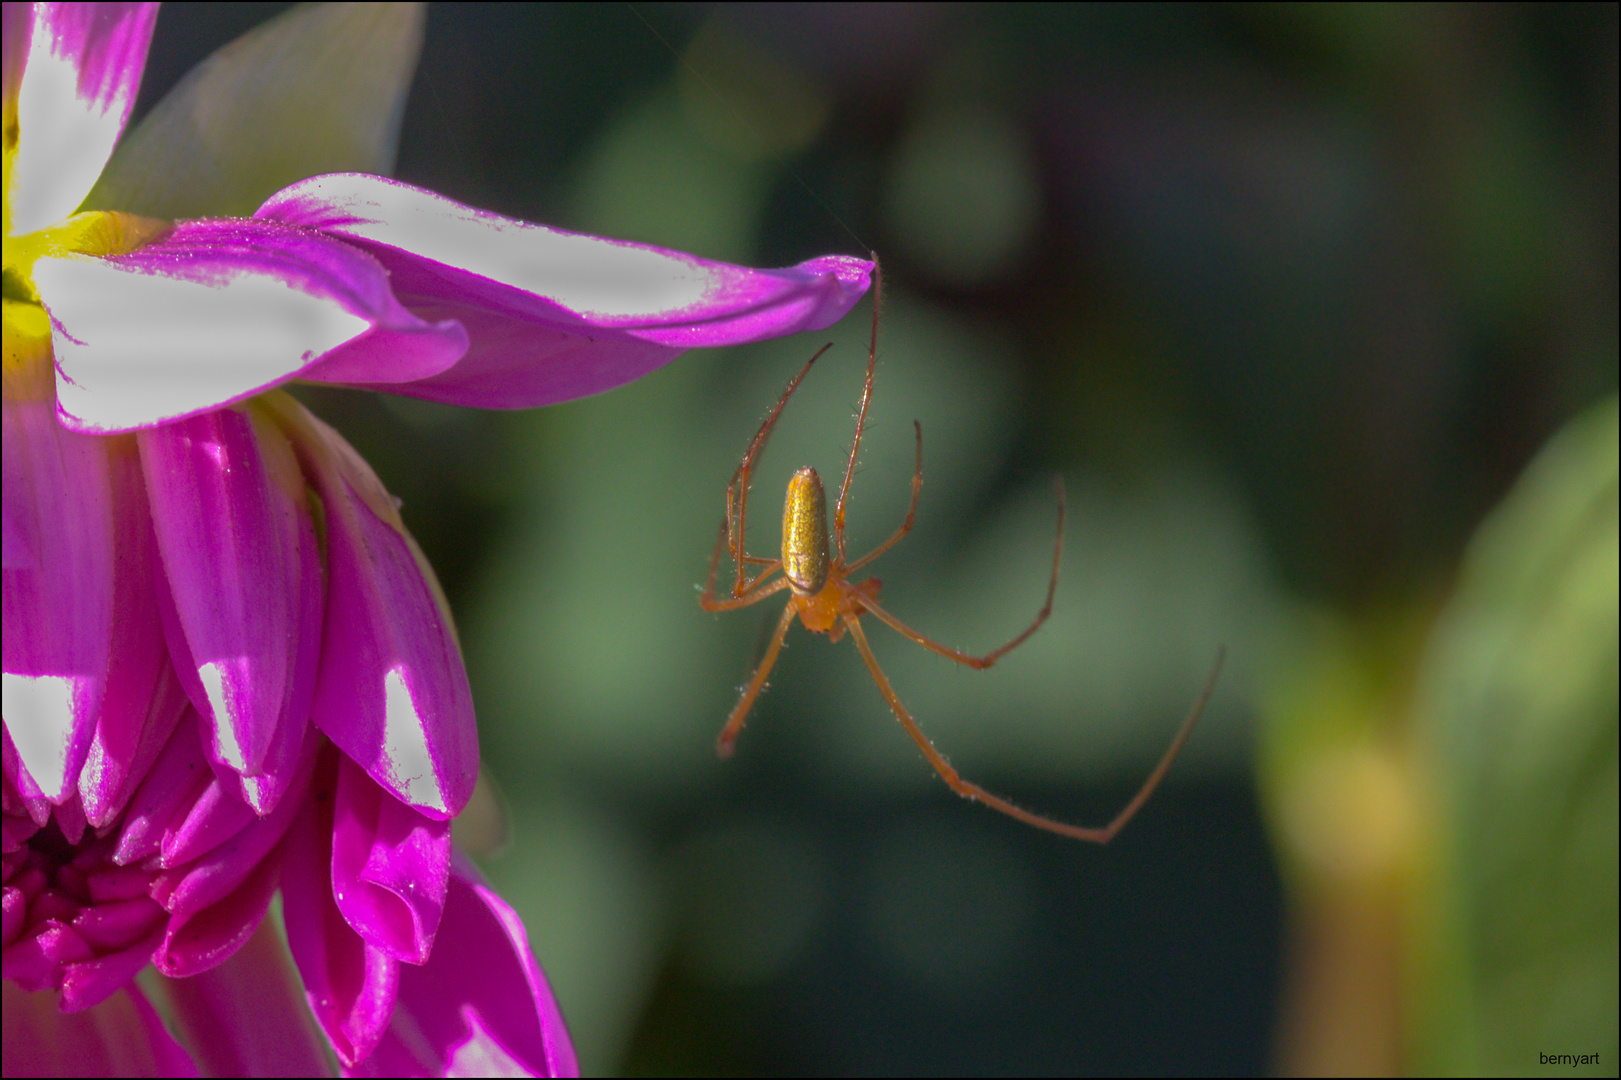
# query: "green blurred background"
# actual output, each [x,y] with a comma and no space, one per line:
[1315,311]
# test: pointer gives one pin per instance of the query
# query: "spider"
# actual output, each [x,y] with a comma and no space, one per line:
[827,602]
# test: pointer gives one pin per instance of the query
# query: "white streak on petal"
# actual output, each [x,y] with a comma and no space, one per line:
[39,714]
[406,744]
[605,280]
[220,682]
[134,349]
[63,141]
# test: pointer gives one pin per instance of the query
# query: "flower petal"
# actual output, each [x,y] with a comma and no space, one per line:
[143,701]
[81,71]
[168,787]
[216,903]
[256,303]
[555,315]
[480,1006]
[241,558]
[122,1036]
[392,691]
[349,984]
[390,865]
[89,983]
[57,621]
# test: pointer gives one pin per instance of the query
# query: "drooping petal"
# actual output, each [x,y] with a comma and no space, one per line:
[81,70]
[58,598]
[392,691]
[213,816]
[122,1036]
[553,315]
[243,573]
[216,903]
[143,701]
[241,559]
[246,1017]
[390,866]
[173,781]
[88,983]
[350,985]
[216,311]
[263,790]
[480,1006]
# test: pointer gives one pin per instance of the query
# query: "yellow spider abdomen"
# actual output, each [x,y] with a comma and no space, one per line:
[804,533]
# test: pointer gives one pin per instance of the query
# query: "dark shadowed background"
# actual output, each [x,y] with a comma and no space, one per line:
[1290,297]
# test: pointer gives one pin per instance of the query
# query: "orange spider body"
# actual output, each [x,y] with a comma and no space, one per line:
[824,599]
[819,590]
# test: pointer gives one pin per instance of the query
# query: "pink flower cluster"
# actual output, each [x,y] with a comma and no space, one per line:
[228,670]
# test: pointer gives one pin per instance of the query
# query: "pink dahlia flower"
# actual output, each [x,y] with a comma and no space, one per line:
[227,669]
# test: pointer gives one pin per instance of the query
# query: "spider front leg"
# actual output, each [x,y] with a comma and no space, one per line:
[743,596]
[861,416]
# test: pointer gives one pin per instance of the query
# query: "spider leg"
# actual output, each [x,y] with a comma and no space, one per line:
[734,723]
[861,414]
[745,470]
[970,790]
[969,659]
[911,511]
[751,593]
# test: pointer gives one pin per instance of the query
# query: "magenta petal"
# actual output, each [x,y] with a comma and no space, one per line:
[350,986]
[57,622]
[554,315]
[240,554]
[390,866]
[81,67]
[143,700]
[255,303]
[480,1006]
[216,815]
[175,779]
[91,982]
[205,934]
[216,902]
[392,692]
[122,1036]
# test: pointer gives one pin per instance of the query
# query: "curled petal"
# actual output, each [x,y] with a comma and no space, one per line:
[390,865]
[198,940]
[554,315]
[241,560]
[91,982]
[258,303]
[480,1006]
[392,691]
[350,985]
[216,903]
[80,69]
